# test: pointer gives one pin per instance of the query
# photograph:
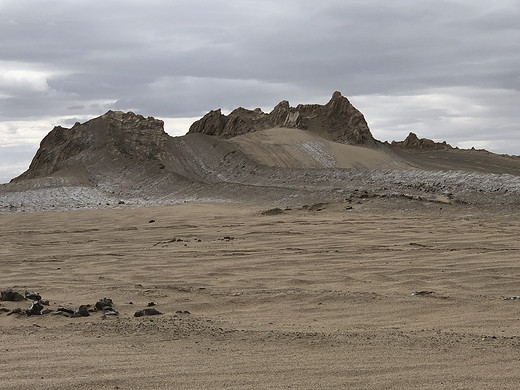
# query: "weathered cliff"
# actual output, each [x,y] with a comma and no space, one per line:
[337,120]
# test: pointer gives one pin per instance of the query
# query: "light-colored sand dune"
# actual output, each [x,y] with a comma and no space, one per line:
[303,299]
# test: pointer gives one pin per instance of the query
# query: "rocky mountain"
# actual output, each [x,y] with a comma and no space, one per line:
[112,137]
[338,120]
[308,153]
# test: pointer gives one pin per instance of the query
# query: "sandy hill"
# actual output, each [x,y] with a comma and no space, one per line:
[290,155]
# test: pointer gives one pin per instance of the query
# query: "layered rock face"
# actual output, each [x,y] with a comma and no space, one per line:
[414,142]
[110,136]
[337,120]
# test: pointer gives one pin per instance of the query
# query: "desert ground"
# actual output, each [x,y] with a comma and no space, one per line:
[390,294]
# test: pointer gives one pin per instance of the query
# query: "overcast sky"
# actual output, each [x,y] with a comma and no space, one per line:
[446,70]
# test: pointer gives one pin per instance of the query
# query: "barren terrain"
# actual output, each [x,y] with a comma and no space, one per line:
[280,250]
[309,297]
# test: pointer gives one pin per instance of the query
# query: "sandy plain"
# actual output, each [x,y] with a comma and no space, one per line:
[312,298]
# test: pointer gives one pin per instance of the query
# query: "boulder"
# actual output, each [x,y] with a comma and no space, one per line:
[10,295]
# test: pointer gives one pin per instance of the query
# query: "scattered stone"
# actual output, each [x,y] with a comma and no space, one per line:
[82,311]
[182,312]
[512,298]
[34,309]
[228,238]
[10,295]
[45,302]
[65,310]
[32,295]
[421,293]
[150,304]
[104,303]
[110,312]
[147,312]
[106,306]
[121,202]
[4,310]
[47,311]
[151,312]
[348,207]
[151,221]
[15,311]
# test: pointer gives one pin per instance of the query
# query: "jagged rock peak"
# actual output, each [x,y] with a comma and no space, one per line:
[338,120]
[414,142]
[116,133]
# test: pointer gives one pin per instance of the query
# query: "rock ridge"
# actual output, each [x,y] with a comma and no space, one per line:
[337,120]
[414,142]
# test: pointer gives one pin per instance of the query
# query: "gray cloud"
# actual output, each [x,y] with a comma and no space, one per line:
[180,59]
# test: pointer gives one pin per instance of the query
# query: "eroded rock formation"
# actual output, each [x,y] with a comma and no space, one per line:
[115,134]
[337,120]
[414,142]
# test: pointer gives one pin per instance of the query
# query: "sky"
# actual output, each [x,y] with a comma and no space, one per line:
[446,70]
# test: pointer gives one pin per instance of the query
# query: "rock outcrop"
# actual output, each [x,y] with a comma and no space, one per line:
[414,142]
[112,136]
[337,120]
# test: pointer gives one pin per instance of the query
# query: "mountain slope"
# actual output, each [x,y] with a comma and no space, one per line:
[313,157]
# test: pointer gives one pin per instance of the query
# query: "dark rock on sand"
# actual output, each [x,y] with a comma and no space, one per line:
[65,310]
[32,295]
[421,293]
[82,311]
[106,306]
[110,312]
[147,312]
[35,309]
[10,295]
[104,303]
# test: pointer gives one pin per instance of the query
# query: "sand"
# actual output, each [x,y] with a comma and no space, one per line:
[305,299]
[295,148]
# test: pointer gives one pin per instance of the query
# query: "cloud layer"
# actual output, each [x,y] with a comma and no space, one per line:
[448,70]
